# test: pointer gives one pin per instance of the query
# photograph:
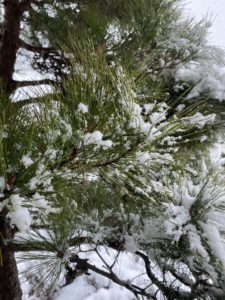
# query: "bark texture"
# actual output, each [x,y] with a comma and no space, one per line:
[9,280]
[13,12]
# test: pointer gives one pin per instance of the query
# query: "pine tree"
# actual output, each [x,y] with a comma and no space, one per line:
[116,154]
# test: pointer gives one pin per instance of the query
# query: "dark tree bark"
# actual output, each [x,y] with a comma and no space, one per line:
[9,44]
[9,280]
[13,12]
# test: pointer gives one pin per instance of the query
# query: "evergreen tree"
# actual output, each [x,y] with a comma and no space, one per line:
[117,153]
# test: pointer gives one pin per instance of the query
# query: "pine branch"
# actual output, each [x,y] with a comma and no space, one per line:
[29,246]
[67,160]
[111,162]
[25,83]
[75,152]
[34,48]
[33,245]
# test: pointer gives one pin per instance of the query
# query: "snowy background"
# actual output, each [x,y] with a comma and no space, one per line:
[215,9]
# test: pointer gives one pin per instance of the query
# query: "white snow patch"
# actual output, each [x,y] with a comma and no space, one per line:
[21,218]
[27,161]
[96,137]
[83,108]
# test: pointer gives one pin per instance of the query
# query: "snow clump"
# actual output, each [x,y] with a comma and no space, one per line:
[96,138]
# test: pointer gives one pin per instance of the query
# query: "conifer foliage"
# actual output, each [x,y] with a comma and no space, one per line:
[111,150]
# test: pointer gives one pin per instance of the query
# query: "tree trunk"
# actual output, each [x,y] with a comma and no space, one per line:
[9,280]
[9,44]
[13,12]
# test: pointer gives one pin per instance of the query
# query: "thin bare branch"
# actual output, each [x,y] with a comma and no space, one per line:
[25,83]
[35,48]
[83,264]
[170,292]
